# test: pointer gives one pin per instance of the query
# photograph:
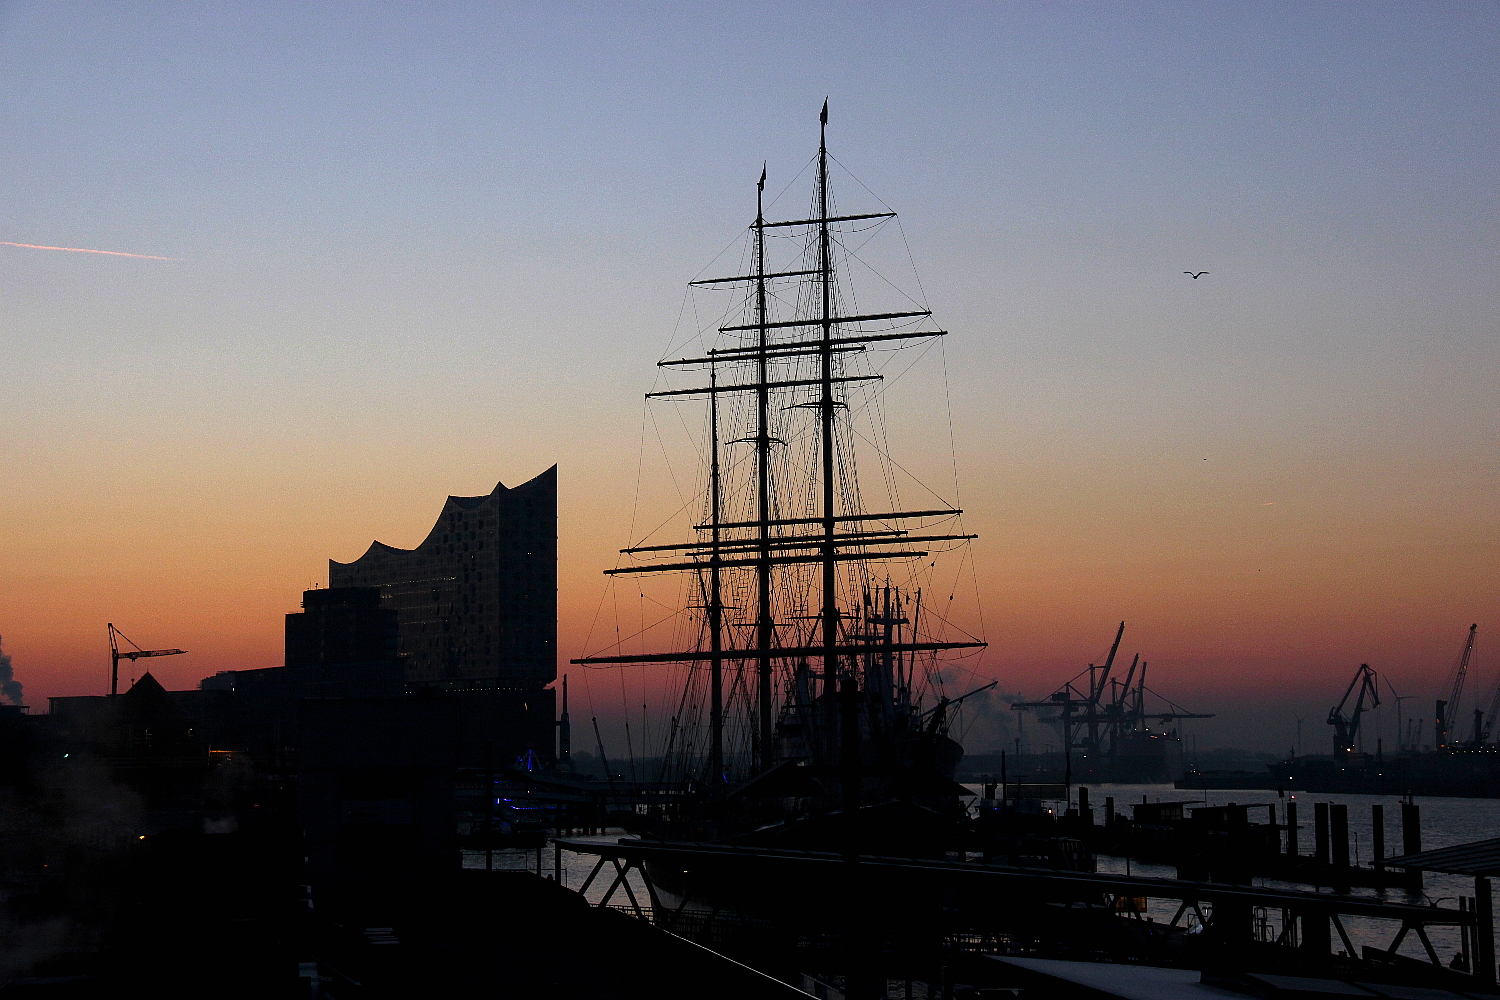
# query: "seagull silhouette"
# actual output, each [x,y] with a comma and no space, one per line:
[1195,277]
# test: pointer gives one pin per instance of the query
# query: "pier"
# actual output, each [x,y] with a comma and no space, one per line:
[764,905]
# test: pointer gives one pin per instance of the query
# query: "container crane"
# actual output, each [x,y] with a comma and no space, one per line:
[116,654]
[1100,720]
[1447,710]
[1346,727]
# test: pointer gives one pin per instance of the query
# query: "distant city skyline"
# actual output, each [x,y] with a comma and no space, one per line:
[416,250]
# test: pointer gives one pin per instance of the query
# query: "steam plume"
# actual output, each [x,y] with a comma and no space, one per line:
[10,688]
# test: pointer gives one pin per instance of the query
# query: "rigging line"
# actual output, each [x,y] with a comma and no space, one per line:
[699,329]
[914,272]
[693,442]
[978,604]
[880,427]
[850,250]
[677,323]
[661,442]
[675,609]
[898,465]
[625,705]
[737,238]
[951,624]
[888,381]
[640,466]
[619,651]
[669,519]
[852,255]
[952,441]
[589,636]
[957,494]
[588,694]
[739,306]
[861,183]
[794,180]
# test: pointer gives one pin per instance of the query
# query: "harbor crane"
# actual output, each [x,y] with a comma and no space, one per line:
[1448,710]
[1486,722]
[116,654]
[1346,727]
[1102,719]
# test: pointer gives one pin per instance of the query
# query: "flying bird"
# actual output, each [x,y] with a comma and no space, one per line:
[1195,277]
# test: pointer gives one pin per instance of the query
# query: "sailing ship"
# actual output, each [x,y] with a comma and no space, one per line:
[814,652]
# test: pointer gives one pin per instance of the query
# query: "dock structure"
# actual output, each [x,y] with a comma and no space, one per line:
[931,906]
[1480,860]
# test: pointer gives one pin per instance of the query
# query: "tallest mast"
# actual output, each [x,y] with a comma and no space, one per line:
[825,411]
[764,622]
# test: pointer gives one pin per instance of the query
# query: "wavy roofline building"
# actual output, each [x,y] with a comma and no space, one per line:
[476,600]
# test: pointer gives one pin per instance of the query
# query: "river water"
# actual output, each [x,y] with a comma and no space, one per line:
[1446,822]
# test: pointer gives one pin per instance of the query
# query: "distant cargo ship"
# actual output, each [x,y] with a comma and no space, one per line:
[1465,771]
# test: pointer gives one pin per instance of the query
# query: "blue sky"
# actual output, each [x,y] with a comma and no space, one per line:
[449,240]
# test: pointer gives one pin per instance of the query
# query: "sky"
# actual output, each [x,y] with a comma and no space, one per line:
[418,249]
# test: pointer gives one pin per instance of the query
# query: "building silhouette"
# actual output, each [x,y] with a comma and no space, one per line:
[476,601]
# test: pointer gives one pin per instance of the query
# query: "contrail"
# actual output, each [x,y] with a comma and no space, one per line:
[112,253]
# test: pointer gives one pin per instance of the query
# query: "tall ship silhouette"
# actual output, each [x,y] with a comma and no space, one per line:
[818,660]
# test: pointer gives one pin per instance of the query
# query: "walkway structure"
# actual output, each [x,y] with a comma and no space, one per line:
[1481,860]
[974,901]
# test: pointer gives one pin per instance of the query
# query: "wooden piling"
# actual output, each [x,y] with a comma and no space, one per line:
[1338,822]
[1484,930]
[1377,835]
[1320,832]
[1291,829]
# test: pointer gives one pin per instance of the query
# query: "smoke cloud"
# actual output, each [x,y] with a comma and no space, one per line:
[10,688]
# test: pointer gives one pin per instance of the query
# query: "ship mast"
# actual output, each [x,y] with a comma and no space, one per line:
[764,622]
[715,598]
[825,539]
[825,412]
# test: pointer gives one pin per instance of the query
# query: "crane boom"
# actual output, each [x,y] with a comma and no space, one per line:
[1489,718]
[1447,711]
[116,654]
[1346,727]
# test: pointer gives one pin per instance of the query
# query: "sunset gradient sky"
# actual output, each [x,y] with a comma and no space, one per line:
[426,247]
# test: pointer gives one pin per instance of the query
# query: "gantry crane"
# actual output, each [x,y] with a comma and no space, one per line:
[1346,727]
[116,654]
[1447,710]
[1100,720]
